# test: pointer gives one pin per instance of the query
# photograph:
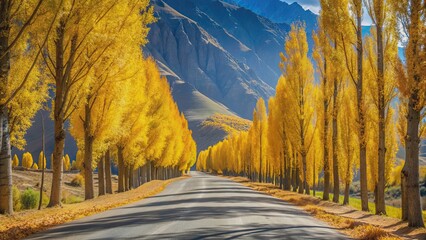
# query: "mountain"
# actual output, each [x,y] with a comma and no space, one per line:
[217,57]
[279,12]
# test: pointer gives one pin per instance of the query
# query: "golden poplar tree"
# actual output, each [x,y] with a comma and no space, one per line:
[259,138]
[411,84]
[24,27]
[70,55]
[298,76]
[41,161]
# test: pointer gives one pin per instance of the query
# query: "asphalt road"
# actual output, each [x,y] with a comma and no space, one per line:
[200,207]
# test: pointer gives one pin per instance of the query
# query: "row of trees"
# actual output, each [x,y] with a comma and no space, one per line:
[345,122]
[28,161]
[88,54]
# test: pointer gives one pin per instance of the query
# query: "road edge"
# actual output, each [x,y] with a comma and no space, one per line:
[26,223]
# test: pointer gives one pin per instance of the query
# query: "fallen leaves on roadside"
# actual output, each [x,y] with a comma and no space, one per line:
[25,223]
[349,226]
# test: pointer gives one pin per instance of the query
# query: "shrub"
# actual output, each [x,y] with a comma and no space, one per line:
[74,165]
[27,160]
[77,181]
[15,161]
[41,163]
[67,163]
[16,198]
[29,198]
[35,166]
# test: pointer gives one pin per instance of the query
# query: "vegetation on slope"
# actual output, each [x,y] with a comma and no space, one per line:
[227,123]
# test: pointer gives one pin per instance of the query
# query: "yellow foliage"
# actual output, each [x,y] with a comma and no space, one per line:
[229,124]
[67,162]
[35,166]
[27,160]
[15,161]
[42,163]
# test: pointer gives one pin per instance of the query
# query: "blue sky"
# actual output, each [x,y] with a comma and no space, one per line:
[314,6]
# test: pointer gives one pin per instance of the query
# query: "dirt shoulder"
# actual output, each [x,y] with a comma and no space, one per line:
[25,223]
[354,223]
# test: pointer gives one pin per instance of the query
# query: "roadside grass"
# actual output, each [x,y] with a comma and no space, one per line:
[391,211]
[23,224]
[347,219]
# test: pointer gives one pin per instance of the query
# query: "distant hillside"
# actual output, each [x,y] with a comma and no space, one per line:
[218,127]
[280,12]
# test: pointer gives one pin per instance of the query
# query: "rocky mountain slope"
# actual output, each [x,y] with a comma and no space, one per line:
[218,58]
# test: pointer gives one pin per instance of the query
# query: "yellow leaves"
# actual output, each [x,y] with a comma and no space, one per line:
[67,162]
[25,223]
[42,160]
[27,160]
[15,161]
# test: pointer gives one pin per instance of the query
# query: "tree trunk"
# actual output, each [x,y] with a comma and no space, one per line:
[56,192]
[43,165]
[88,155]
[131,178]
[326,192]
[148,171]
[380,200]
[411,166]
[260,152]
[153,172]
[6,197]
[301,185]
[59,115]
[143,174]
[281,171]
[305,175]
[121,169]
[287,169]
[346,198]
[101,176]
[108,177]
[404,201]
[126,178]
[361,119]
[313,178]
[294,183]
[336,183]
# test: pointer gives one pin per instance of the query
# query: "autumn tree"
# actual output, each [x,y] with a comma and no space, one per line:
[259,137]
[27,160]
[377,10]
[24,27]
[321,55]
[98,115]
[41,160]
[15,161]
[411,84]
[71,54]
[298,74]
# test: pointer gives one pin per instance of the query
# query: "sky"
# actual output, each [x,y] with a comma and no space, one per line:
[314,6]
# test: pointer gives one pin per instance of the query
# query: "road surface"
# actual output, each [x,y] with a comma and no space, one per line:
[200,207]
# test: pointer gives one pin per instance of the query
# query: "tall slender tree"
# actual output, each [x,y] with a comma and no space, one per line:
[411,16]
[298,75]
